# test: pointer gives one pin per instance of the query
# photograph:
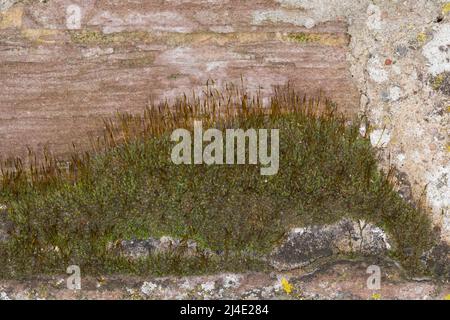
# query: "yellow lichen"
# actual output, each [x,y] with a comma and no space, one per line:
[438,81]
[422,37]
[376,296]
[327,39]
[287,287]
[447,297]
[11,18]
[95,37]
[304,37]
[446,8]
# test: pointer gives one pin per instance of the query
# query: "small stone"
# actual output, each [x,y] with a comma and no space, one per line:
[384,96]
[374,17]
[401,157]
[395,93]
[309,23]
[305,245]
[6,4]
[388,62]
[376,72]
[4,296]
[401,50]
[208,286]
[231,281]
[437,260]
[148,287]
[136,249]
[438,59]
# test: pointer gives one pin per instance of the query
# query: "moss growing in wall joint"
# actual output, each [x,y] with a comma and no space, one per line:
[326,39]
[128,187]
[94,37]
[304,37]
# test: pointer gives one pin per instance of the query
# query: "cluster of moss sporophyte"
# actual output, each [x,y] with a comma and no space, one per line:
[128,187]
[230,150]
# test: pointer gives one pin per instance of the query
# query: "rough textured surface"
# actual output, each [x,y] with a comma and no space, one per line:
[301,247]
[438,260]
[391,51]
[57,83]
[305,245]
[398,53]
[6,4]
[342,280]
[388,59]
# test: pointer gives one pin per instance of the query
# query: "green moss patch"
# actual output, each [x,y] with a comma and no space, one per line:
[129,188]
